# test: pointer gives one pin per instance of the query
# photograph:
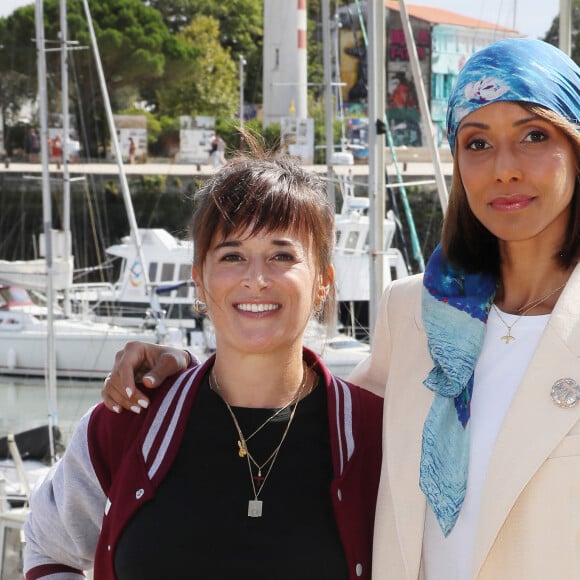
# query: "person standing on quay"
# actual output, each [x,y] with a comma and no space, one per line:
[132,150]
[32,146]
[217,151]
[479,358]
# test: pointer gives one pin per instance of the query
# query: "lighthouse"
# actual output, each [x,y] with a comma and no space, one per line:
[284,61]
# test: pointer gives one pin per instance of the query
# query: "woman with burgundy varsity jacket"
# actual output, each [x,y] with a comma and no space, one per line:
[258,464]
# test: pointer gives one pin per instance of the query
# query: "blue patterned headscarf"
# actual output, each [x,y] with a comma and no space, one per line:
[455,303]
[516,69]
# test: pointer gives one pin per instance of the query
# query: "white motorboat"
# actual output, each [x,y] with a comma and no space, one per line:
[84,349]
[129,300]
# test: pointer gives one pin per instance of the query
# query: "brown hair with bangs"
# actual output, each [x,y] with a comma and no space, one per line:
[263,192]
[467,244]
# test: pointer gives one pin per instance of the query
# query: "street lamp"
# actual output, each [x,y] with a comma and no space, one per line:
[242,64]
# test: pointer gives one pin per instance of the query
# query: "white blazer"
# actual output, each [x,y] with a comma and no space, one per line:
[529,525]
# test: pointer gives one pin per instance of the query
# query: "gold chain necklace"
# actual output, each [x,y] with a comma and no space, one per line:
[255,505]
[259,467]
[242,441]
[508,337]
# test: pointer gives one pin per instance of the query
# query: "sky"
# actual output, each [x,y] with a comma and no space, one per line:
[533,17]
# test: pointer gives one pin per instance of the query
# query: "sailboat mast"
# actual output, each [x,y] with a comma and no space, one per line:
[117,150]
[424,107]
[329,117]
[64,144]
[47,220]
[376,185]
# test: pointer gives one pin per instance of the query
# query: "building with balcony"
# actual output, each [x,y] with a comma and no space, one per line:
[444,41]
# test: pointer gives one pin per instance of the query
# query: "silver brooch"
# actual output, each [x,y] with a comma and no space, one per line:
[565,393]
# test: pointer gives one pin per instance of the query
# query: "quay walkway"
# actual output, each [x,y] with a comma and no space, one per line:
[413,163]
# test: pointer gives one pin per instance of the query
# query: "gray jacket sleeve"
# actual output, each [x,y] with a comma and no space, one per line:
[66,510]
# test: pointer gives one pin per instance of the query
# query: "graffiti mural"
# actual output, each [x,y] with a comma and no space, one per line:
[402,104]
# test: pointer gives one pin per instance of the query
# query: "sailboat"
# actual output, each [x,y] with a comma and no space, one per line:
[37,339]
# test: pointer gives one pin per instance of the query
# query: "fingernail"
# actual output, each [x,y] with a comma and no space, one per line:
[135,409]
[150,378]
[143,403]
[116,408]
[129,391]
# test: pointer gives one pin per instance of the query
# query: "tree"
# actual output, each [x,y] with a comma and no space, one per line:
[241,30]
[553,34]
[17,63]
[137,51]
[210,87]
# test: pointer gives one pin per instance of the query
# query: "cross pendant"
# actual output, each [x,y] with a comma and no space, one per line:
[507,338]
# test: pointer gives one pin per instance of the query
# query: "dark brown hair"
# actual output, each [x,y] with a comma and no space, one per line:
[262,192]
[467,244]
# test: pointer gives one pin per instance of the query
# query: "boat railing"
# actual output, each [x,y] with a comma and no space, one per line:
[91,289]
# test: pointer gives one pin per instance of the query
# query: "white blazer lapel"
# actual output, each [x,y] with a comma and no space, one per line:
[401,504]
[534,424]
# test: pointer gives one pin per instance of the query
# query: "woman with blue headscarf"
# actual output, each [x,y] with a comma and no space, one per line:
[479,358]
[481,354]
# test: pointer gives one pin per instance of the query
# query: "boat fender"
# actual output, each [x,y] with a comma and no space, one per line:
[11,359]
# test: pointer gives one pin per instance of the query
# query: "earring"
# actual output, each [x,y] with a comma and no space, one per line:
[319,308]
[199,306]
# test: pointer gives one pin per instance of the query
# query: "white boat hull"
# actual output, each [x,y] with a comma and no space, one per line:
[83,350]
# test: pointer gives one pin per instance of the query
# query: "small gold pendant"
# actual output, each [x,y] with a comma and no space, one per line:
[507,338]
[242,451]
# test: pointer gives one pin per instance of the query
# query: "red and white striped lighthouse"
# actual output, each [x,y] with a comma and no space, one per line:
[285,61]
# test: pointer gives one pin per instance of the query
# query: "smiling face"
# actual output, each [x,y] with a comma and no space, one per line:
[518,172]
[260,289]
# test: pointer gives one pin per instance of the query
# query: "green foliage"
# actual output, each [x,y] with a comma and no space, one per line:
[136,48]
[553,34]
[317,111]
[315,51]
[149,184]
[210,87]
[17,62]
[240,30]
[271,135]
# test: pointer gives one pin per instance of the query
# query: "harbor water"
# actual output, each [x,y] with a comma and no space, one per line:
[24,403]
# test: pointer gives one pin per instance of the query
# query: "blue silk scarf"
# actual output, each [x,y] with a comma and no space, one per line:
[455,306]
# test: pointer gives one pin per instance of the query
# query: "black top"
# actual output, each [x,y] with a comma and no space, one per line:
[197,526]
